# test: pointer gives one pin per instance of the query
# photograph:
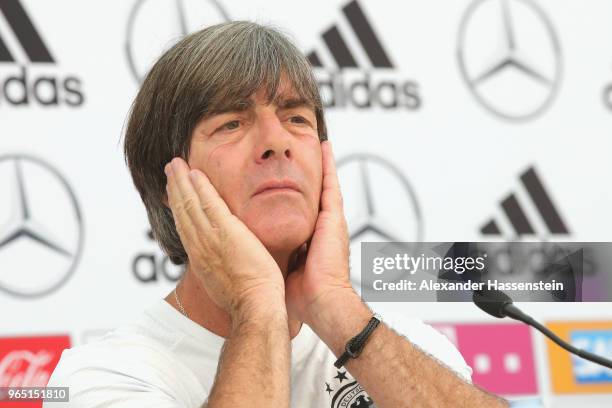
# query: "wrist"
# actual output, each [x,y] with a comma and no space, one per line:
[338,317]
[260,312]
[325,303]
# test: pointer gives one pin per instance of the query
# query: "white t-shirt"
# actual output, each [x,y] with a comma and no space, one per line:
[166,360]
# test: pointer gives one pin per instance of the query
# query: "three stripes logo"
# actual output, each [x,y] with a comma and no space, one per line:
[26,34]
[549,218]
[21,45]
[364,32]
[354,69]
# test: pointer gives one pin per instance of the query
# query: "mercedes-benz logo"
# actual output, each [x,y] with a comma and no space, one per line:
[509,57]
[41,227]
[154,26]
[379,204]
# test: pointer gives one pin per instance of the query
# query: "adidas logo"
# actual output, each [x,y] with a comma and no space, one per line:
[20,40]
[516,213]
[151,265]
[348,75]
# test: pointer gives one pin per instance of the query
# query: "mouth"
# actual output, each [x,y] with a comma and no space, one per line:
[277,186]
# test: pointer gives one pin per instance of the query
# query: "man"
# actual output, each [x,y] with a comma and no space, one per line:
[227,146]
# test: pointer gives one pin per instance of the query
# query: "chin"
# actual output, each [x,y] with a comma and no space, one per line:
[282,232]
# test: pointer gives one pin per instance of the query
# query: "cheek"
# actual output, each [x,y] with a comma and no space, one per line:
[222,165]
[313,171]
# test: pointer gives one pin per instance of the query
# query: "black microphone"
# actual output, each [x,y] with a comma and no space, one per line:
[498,304]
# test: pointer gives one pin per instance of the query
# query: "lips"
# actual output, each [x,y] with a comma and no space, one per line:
[277,185]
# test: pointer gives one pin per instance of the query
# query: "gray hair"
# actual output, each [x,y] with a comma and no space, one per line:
[204,73]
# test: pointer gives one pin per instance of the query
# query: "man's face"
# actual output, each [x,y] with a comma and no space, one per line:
[265,162]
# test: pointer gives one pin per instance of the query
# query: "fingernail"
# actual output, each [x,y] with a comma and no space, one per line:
[167,169]
[192,174]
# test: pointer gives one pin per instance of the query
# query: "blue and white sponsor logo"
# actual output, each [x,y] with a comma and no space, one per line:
[598,342]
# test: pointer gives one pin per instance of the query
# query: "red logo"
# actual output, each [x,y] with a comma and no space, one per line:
[29,361]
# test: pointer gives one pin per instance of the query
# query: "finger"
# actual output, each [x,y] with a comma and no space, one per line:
[186,230]
[331,196]
[184,201]
[213,205]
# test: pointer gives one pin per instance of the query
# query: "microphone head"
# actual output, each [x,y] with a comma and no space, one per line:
[492,302]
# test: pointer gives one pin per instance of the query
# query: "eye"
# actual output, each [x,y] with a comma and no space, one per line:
[231,125]
[298,119]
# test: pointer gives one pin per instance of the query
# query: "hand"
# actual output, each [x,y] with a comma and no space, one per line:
[233,266]
[323,270]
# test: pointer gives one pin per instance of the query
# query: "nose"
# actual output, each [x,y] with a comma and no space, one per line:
[274,141]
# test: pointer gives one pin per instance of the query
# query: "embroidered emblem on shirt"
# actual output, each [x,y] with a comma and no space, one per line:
[348,395]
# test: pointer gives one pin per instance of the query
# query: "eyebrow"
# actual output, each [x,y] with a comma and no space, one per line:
[290,103]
